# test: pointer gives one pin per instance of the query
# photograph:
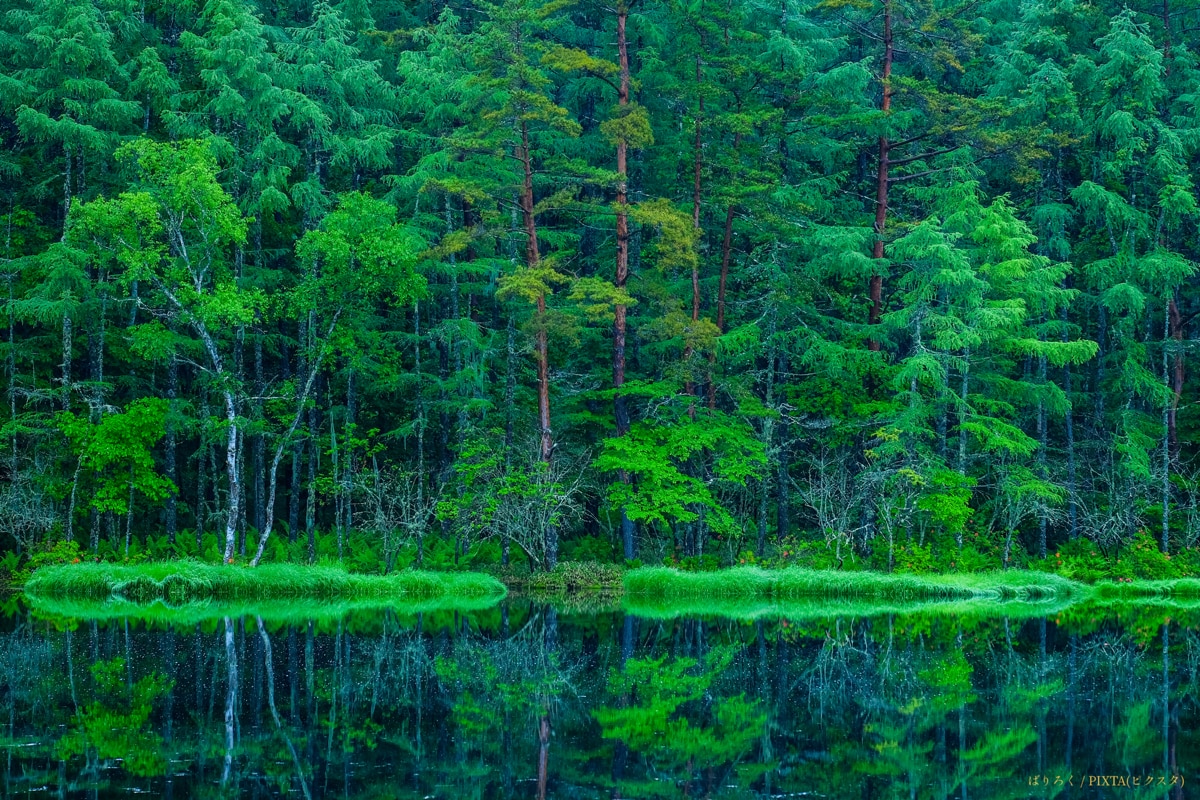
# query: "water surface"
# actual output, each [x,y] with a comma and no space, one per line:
[527,701]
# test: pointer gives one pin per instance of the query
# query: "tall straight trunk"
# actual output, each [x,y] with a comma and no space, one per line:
[95,346]
[234,476]
[233,436]
[881,183]
[1043,445]
[533,259]
[510,388]
[66,204]
[333,466]
[66,320]
[310,506]
[620,408]
[239,370]
[420,425]
[1101,354]
[541,351]
[726,251]
[1168,414]
[201,475]
[242,503]
[172,506]
[768,434]
[783,482]
[1072,497]
[310,500]
[1176,336]
[67,345]
[10,359]
[348,464]
[294,492]
[697,168]
[260,516]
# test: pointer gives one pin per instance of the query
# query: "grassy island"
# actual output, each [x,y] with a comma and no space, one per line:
[191,581]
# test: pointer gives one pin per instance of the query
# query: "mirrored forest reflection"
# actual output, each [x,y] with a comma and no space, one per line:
[528,701]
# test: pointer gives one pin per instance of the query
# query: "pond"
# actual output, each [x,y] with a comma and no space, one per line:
[528,701]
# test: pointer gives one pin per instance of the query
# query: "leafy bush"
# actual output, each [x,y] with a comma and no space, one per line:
[60,552]
[570,576]
[1142,558]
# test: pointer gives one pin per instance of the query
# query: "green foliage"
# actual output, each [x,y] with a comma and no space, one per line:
[116,725]
[118,451]
[655,725]
[663,490]
[289,225]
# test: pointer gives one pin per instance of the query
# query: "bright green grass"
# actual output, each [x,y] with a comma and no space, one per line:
[751,593]
[180,582]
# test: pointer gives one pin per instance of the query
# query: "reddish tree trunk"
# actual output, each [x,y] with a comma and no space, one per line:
[620,409]
[533,258]
[726,251]
[622,416]
[881,186]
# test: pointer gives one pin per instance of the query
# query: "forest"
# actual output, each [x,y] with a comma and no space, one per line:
[904,285]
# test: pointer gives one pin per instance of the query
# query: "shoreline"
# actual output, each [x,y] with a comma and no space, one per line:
[179,591]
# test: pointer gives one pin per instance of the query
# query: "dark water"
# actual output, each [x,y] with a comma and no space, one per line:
[526,701]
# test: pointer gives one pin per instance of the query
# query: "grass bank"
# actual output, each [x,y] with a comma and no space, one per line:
[180,582]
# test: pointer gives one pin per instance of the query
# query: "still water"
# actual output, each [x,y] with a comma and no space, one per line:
[527,701]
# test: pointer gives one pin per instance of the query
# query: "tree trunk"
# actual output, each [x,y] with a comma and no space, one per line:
[697,164]
[881,183]
[260,445]
[1176,335]
[1043,445]
[620,409]
[1072,497]
[420,425]
[235,483]
[172,513]
[783,482]
[67,344]
[271,480]
[1168,419]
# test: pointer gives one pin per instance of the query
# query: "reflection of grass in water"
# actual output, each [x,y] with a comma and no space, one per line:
[751,583]
[750,593]
[288,612]
[181,582]
[746,608]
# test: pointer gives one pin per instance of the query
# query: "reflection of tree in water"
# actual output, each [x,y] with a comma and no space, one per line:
[115,725]
[666,711]
[523,702]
